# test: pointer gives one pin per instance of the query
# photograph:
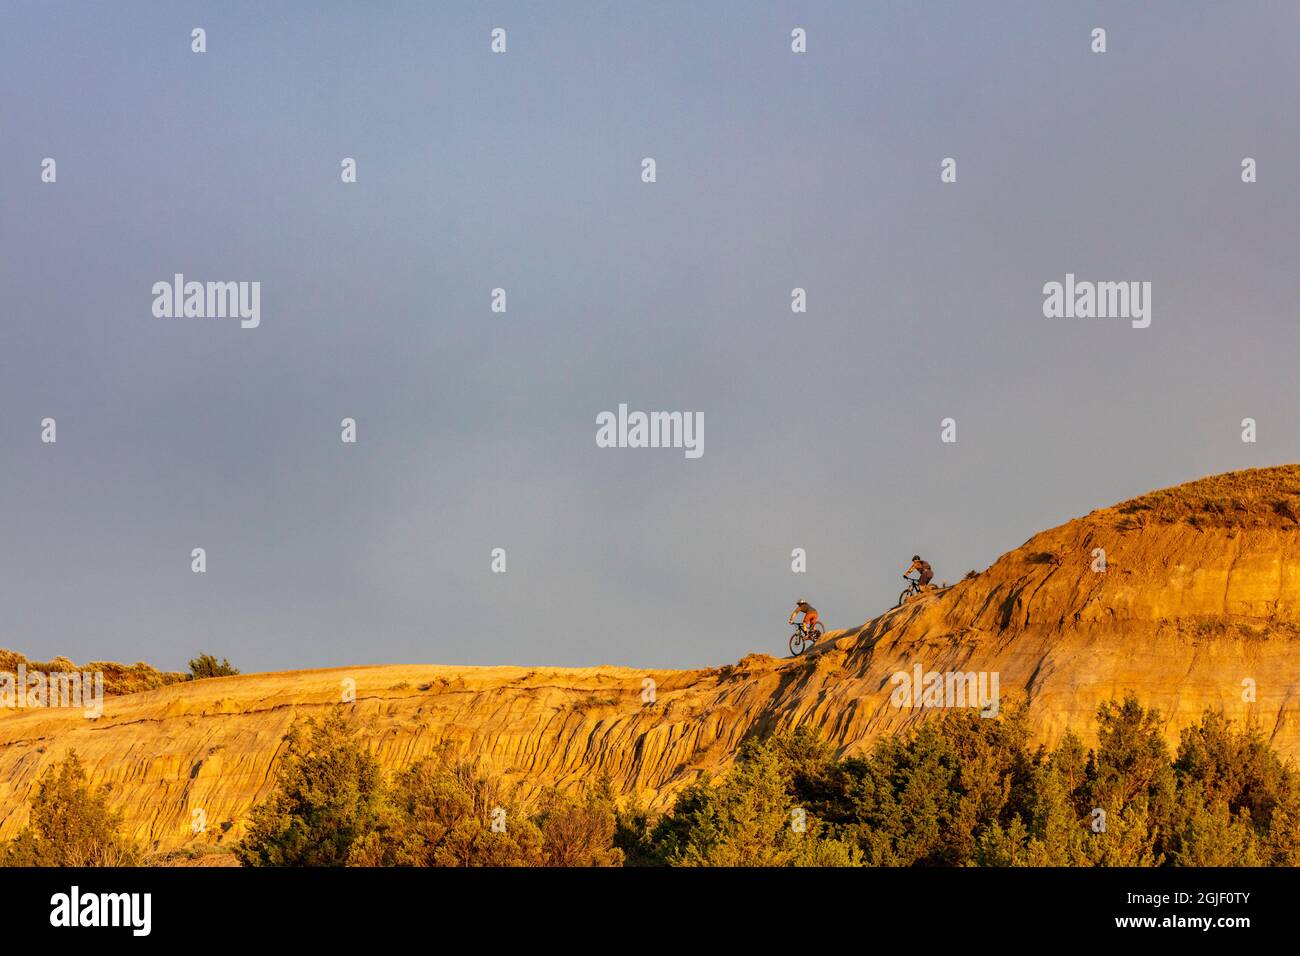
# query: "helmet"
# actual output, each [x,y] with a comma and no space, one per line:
[916,557]
[801,601]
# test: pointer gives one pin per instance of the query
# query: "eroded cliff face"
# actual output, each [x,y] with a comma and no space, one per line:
[1187,616]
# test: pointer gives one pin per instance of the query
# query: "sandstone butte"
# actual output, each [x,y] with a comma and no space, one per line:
[1200,596]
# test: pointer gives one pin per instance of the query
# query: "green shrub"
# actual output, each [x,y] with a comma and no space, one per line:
[205,665]
[332,806]
[579,831]
[443,814]
[328,795]
[965,790]
[70,824]
[957,790]
[749,818]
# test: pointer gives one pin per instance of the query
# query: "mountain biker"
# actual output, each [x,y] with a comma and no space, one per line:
[924,567]
[809,614]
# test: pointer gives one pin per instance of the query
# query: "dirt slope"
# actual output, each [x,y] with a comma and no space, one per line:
[1201,593]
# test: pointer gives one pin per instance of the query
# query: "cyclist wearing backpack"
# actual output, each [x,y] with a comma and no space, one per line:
[924,567]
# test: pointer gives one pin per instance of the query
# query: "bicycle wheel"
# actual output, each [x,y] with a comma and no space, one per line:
[797,643]
[819,631]
[902,598]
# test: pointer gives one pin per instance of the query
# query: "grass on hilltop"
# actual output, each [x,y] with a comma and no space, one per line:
[119,679]
[1254,498]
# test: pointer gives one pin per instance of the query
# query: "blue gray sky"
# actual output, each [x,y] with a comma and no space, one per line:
[522,171]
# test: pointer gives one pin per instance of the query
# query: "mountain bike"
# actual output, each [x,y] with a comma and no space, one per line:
[803,638]
[913,587]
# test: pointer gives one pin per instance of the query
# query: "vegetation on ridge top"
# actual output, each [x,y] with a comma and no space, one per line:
[1253,498]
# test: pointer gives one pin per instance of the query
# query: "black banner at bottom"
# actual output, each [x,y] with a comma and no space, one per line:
[341,906]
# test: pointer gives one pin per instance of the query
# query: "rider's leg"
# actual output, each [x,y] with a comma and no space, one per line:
[809,621]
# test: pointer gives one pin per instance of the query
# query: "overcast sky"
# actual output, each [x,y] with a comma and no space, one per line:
[522,170]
